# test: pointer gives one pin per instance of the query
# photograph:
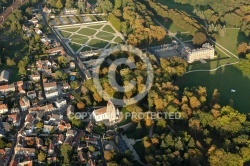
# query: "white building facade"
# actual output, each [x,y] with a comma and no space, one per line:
[206,52]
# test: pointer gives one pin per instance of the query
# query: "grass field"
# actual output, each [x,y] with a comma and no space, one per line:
[87,32]
[71,29]
[118,40]
[74,46]
[79,39]
[224,79]
[65,34]
[108,28]
[96,43]
[105,35]
[95,26]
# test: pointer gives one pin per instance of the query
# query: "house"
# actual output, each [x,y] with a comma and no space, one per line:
[50,86]
[69,140]
[72,65]
[60,139]
[11,88]
[2,133]
[51,94]
[20,87]
[31,94]
[80,135]
[39,142]
[29,119]
[33,20]
[65,86]
[14,110]
[4,77]
[56,117]
[82,157]
[14,119]
[55,50]
[91,140]
[24,151]
[109,113]
[69,11]
[25,28]
[48,128]
[51,149]
[25,163]
[51,159]
[38,31]
[70,133]
[60,103]
[45,39]
[63,126]
[34,77]
[46,10]
[6,126]
[3,108]
[29,33]
[7,88]
[24,103]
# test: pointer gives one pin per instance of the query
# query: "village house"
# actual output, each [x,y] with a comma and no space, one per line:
[60,139]
[51,148]
[60,103]
[51,94]
[46,10]
[34,78]
[4,77]
[70,133]
[5,126]
[14,110]
[24,103]
[55,50]
[29,119]
[65,86]
[4,89]
[20,87]
[31,94]
[72,65]
[33,20]
[14,119]
[25,28]
[38,31]
[48,128]
[24,151]
[50,86]
[3,108]
[63,126]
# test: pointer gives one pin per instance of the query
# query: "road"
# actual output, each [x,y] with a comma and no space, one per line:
[4,15]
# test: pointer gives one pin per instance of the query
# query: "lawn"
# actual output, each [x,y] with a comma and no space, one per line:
[70,29]
[96,26]
[118,40]
[184,36]
[232,39]
[85,49]
[108,28]
[75,47]
[224,80]
[65,34]
[79,39]
[97,43]
[87,31]
[105,36]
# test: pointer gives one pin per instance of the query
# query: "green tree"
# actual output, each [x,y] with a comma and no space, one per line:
[59,4]
[66,151]
[41,156]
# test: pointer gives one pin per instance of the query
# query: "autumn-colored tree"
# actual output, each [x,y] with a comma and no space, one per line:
[242,49]
[199,38]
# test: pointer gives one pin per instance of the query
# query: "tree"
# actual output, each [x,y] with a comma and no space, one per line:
[2,144]
[41,156]
[10,62]
[69,4]
[66,153]
[74,84]
[199,38]
[39,125]
[242,49]
[80,105]
[108,155]
[91,148]
[59,4]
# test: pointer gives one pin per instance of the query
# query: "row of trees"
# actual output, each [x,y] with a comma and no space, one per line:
[179,18]
[133,19]
[233,14]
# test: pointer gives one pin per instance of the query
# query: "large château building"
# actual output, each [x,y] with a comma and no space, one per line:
[109,113]
[206,52]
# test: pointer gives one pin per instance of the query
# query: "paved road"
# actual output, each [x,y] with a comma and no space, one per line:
[4,15]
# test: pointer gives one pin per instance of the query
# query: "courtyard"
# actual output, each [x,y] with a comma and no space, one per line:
[90,36]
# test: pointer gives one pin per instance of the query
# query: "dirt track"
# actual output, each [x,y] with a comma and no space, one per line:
[8,10]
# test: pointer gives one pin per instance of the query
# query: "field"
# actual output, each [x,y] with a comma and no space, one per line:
[225,78]
[89,37]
